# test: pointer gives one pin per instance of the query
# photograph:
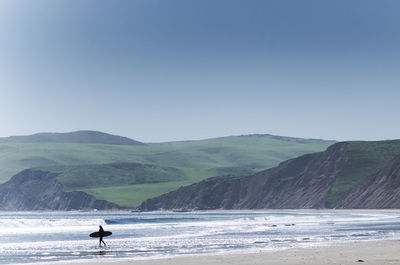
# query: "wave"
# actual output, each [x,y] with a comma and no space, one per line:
[139,220]
[22,225]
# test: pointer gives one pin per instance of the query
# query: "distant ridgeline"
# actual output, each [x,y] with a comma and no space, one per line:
[81,137]
[346,175]
[126,172]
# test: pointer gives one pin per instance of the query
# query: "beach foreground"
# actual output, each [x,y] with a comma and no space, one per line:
[372,252]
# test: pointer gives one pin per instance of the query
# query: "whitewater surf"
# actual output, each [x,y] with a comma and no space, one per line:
[36,237]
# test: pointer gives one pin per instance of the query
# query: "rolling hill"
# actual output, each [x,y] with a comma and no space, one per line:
[127,172]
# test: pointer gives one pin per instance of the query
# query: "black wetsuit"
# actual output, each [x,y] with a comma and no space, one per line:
[101,231]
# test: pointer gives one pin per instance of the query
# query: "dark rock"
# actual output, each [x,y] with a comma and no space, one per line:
[32,190]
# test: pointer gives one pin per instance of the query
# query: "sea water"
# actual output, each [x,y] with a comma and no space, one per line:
[38,237]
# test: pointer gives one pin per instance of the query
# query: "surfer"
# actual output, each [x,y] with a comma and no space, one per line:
[101,232]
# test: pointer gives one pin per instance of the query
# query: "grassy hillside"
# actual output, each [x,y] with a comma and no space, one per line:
[255,152]
[365,159]
[178,163]
[129,184]
[106,175]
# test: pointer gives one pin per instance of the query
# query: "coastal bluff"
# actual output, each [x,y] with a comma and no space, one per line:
[303,182]
[348,175]
[33,190]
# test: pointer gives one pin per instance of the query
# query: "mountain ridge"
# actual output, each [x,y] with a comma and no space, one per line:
[81,137]
[255,135]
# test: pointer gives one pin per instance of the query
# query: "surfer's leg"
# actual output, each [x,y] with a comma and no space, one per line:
[101,240]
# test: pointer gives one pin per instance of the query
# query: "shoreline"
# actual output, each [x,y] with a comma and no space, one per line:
[380,252]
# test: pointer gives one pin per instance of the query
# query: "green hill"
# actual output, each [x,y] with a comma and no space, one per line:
[106,175]
[129,174]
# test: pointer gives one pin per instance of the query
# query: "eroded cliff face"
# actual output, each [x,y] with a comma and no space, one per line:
[378,191]
[32,190]
[303,182]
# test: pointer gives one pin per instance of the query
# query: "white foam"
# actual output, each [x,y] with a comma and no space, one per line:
[39,225]
[190,233]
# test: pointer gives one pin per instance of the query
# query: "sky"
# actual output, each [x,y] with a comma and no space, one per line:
[167,70]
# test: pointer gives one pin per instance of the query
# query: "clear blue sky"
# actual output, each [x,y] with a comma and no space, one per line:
[161,70]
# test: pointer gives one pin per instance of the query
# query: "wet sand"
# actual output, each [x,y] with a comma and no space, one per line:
[372,252]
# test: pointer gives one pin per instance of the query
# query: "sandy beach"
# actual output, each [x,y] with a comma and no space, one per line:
[373,252]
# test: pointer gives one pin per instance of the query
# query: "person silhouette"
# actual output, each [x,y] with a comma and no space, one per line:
[101,232]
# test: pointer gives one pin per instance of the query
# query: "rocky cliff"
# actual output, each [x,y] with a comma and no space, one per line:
[378,191]
[300,183]
[39,190]
[303,182]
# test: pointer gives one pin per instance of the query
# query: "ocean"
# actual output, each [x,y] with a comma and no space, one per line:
[50,237]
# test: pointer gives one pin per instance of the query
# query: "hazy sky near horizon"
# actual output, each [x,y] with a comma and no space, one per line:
[163,70]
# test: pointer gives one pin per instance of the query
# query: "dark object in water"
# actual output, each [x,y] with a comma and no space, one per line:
[360,260]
